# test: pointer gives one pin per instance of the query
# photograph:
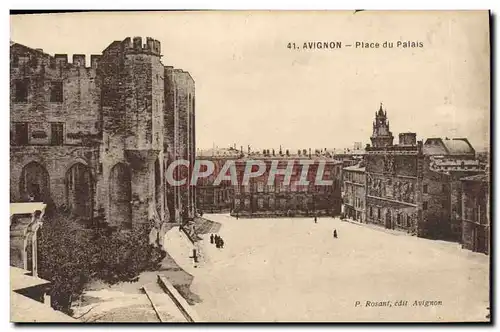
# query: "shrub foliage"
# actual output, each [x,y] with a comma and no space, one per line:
[70,256]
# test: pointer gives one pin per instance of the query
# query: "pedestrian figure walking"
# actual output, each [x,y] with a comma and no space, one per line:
[217,241]
[212,238]
[221,243]
[335,233]
[195,256]
[315,219]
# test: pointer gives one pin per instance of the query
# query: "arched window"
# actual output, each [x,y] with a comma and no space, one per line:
[79,190]
[34,183]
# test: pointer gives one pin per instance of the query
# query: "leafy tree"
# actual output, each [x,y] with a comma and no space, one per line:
[70,256]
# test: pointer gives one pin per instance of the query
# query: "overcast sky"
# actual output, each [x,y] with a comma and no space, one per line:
[251,89]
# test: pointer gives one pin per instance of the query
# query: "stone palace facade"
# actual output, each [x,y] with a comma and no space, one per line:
[98,139]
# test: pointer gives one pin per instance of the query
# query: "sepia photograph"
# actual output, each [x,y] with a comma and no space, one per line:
[250,167]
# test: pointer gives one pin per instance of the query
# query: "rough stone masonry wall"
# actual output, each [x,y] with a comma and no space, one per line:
[436,218]
[158,100]
[79,109]
[56,160]
[133,123]
[169,115]
[475,234]
[116,113]
[180,100]
[456,202]
[111,69]
[79,112]
[189,87]
[182,136]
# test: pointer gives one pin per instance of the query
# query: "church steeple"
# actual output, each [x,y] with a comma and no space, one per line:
[382,136]
[380,110]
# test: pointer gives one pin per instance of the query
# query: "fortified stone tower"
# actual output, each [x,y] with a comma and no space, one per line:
[132,109]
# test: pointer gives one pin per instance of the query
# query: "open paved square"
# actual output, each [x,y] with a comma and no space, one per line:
[294,270]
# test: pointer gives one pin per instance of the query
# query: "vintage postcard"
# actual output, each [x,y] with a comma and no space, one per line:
[250,166]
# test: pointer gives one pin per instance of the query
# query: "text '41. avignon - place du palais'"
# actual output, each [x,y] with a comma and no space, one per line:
[335,45]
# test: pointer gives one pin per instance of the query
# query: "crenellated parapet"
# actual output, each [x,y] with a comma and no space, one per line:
[77,61]
[136,46]
[32,60]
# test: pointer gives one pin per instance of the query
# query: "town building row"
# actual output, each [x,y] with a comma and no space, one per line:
[278,197]
[437,189]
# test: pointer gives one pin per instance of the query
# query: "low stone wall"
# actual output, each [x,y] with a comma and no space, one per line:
[188,312]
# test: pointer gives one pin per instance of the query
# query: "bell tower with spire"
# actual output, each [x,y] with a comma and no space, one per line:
[381,136]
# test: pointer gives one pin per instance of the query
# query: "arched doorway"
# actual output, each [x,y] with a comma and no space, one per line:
[120,196]
[79,190]
[34,184]
[388,219]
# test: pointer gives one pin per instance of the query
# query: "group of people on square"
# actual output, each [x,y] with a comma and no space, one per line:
[219,242]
